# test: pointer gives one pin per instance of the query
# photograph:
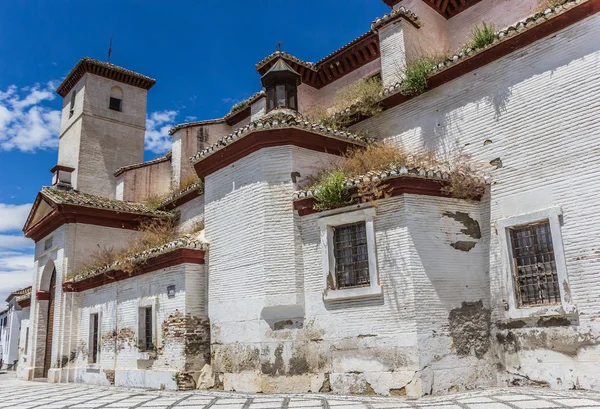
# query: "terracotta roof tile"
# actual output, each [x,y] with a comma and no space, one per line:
[390,173]
[189,241]
[277,119]
[74,197]
[395,14]
[23,293]
[104,69]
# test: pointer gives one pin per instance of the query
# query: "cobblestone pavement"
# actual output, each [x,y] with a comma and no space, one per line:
[20,394]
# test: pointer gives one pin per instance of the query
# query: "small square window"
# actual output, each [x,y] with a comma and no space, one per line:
[535,275]
[48,244]
[351,255]
[115,104]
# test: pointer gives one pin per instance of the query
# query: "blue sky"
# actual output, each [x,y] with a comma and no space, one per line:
[202,54]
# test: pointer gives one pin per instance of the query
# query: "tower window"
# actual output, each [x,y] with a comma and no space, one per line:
[115,104]
[72,106]
[116,99]
[281,83]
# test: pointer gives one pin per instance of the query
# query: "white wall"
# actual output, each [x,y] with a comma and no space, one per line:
[537,111]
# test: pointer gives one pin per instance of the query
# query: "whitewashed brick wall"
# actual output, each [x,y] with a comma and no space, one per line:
[537,111]
[118,306]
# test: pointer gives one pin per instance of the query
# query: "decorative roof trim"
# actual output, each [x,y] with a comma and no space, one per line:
[64,212]
[110,274]
[397,182]
[265,137]
[106,70]
[277,120]
[401,12]
[289,57]
[121,170]
[23,292]
[182,197]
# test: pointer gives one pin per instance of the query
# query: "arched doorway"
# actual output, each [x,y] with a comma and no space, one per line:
[50,324]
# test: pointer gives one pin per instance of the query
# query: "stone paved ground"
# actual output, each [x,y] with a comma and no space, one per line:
[20,394]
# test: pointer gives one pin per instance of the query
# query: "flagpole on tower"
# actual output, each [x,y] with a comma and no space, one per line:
[109,50]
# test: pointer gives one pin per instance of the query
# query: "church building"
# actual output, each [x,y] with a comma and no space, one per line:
[237,261]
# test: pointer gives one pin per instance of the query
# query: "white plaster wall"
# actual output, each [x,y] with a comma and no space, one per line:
[500,13]
[327,93]
[22,366]
[259,108]
[118,306]
[537,111]
[191,214]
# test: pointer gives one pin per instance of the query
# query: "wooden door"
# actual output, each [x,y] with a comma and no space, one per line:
[50,325]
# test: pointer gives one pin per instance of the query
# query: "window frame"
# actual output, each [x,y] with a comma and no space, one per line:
[90,360]
[144,305]
[566,307]
[326,225]
[110,99]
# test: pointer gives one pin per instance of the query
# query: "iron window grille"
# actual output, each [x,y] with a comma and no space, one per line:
[351,255]
[94,345]
[148,344]
[115,104]
[535,274]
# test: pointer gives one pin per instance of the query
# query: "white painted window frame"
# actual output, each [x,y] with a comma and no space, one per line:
[326,225]
[92,311]
[553,215]
[147,302]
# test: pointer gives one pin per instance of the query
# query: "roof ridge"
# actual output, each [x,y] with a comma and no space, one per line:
[393,171]
[159,159]
[189,241]
[77,198]
[275,120]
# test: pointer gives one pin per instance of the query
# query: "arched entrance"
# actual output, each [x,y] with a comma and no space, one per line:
[50,324]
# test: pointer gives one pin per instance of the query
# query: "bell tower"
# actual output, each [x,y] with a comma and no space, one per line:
[102,125]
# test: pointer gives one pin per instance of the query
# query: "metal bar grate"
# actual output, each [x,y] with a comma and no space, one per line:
[351,255]
[536,280]
[148,329]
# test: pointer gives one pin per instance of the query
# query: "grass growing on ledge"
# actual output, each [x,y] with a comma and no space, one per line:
[359,99]
[238,106]
[415,76]
[482,36]
[155,202]
[331,190]
[153,233]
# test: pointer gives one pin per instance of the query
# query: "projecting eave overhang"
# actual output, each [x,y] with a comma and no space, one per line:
[106,70]
[54,207]
[185,250]
[395,181]
[270,132]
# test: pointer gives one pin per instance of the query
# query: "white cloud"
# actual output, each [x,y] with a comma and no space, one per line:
[12,217]
[27,123]
[14,242]
[158,124]
[16,271]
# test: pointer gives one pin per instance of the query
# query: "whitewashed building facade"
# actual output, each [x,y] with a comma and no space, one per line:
[436,294]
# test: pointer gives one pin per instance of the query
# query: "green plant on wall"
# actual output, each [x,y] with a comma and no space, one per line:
[332,191]
[482,36]
[415,76]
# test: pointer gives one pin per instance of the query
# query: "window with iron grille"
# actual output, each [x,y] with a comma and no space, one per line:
[148,344]
[535,274]
[351,255]
[94,328]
